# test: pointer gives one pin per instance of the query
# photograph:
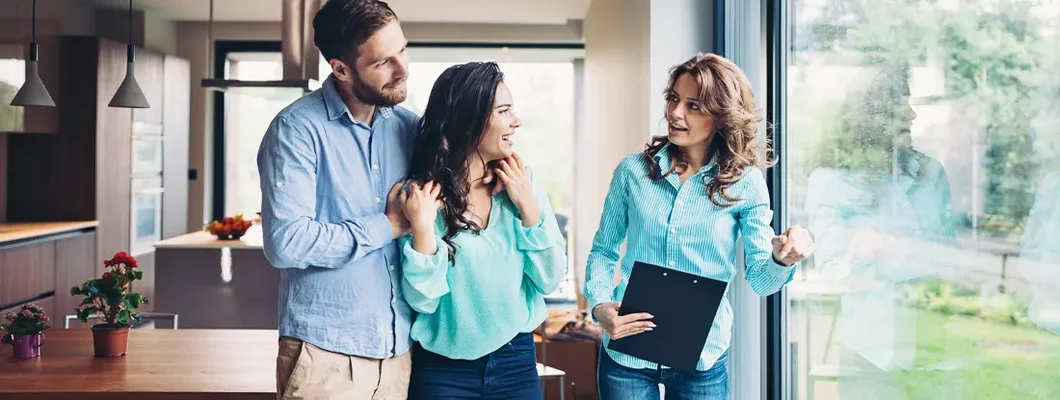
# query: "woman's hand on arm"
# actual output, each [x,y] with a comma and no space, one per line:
[420,205]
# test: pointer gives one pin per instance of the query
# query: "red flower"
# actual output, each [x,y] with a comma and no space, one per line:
[106,276]
[121,259]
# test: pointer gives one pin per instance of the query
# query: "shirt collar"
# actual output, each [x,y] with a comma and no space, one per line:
[663,159]
[337,108]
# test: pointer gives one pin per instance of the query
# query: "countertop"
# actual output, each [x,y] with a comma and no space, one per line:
[160,364]
[204,240]
[19,231]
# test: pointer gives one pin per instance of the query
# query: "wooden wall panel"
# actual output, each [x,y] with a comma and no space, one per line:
[75,263]
[114,141]
[149,76]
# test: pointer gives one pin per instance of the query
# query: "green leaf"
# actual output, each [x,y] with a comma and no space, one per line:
[133,300]
[83,313]
[123,317]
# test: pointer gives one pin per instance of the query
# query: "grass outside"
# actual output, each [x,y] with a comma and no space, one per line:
[990,360]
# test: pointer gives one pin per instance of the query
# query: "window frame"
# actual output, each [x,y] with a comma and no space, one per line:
[777,362]
[222,48]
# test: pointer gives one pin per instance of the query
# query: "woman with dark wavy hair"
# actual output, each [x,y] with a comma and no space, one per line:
[682,204]
[485,246]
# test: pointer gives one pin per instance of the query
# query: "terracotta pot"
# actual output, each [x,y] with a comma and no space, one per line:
[110,340]
[25,346]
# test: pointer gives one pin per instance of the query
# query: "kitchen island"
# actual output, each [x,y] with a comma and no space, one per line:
[216,284]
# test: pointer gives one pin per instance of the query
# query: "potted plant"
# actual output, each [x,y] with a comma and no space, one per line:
[111,299]
[25,329]
[231,228]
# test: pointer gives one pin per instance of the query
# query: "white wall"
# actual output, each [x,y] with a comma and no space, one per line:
[679,30]
[160,33]
[617,100]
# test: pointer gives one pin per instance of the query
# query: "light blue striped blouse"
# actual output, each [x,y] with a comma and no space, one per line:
[675,225]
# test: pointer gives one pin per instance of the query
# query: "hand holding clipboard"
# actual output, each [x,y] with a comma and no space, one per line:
[620,326]
[681,306]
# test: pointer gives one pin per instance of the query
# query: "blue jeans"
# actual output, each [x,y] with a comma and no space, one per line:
[510,372]
[618,382]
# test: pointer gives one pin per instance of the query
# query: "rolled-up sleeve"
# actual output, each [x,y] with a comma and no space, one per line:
[292,236]
[764,274]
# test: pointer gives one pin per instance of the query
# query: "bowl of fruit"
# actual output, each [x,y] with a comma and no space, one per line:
[231,228]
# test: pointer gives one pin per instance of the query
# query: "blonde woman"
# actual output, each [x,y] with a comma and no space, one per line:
[683,204]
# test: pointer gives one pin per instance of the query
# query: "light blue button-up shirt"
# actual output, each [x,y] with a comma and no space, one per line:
[324,181]
[675,225]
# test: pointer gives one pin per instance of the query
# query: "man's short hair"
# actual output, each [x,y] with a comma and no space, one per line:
[341,26]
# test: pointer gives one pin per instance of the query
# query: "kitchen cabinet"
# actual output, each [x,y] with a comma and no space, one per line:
[42,269]
[125,168]
[26,271]
[176,119]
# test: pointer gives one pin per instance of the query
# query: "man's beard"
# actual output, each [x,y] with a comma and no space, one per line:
[387,97]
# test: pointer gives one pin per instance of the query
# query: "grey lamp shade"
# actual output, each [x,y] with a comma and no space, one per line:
[32,92]
[129,94]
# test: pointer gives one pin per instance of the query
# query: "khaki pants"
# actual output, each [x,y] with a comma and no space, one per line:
[304,371]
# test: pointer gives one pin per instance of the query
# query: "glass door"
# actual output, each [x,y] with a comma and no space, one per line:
[243,115]
[922,153]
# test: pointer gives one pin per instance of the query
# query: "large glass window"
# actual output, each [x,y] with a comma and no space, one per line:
[924,156]
[247,114]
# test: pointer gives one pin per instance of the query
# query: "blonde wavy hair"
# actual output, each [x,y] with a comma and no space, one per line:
[726,94]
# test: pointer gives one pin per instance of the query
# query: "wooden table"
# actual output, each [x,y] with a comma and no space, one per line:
[161,364]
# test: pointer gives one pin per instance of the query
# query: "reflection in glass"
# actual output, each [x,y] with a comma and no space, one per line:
[925,159]
[1040,257]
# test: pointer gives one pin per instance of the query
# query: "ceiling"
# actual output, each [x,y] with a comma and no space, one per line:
[460,11]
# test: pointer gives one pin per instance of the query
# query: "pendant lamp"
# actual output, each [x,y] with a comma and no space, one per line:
[33,92]
[129,94]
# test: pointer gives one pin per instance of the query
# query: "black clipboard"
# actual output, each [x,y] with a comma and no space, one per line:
[684,306]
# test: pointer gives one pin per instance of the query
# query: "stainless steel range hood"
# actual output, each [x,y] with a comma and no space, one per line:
[300,56]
